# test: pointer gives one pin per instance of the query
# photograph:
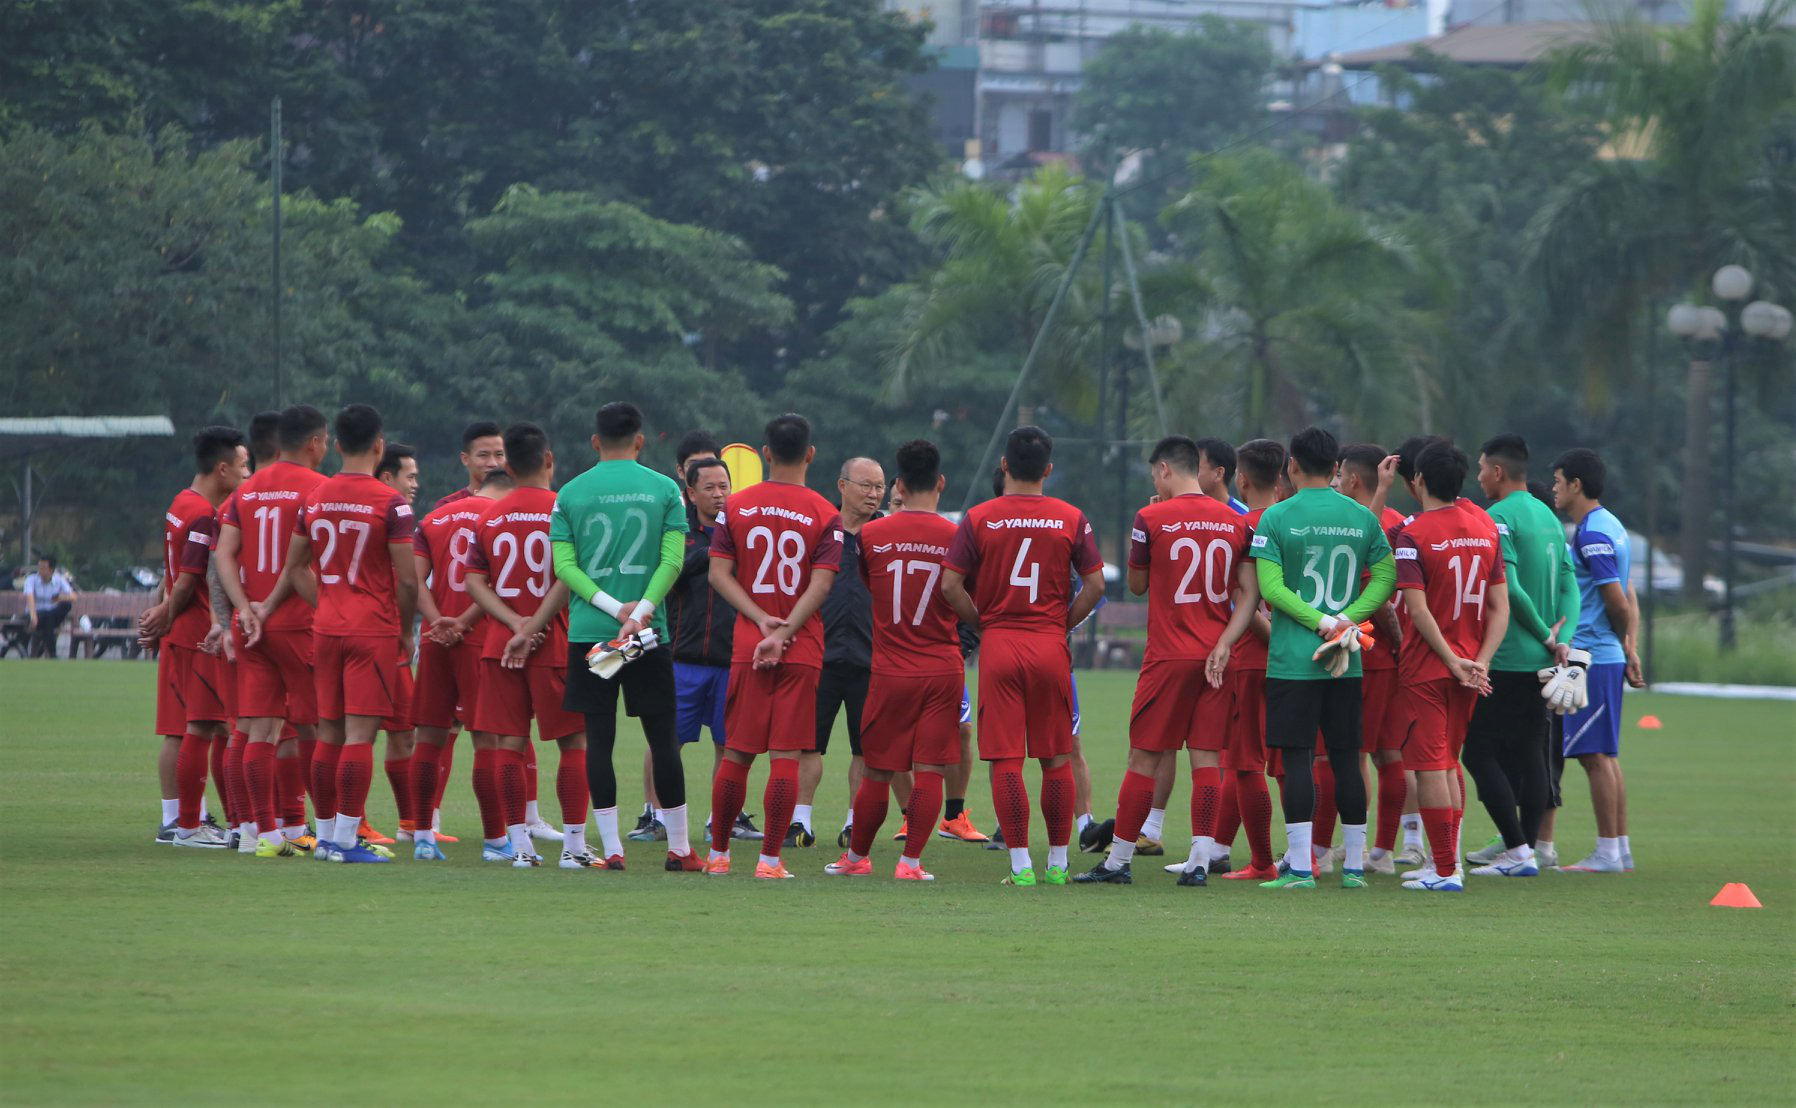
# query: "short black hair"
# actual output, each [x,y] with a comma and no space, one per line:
[919,465]
[998,481]
[693,443]
[1510,451]
[392,459]
[526,448]
[1027,452]
[1442,467]
[788,437]
[264,436]
[1408,450]
[1181,453]
[617,422]
[299,422]
[1262,460]
[214,444]
[1364,458]
[358,425]
[1542,492]
[46,558]
[698,466]
[1315,451]
[479,429]
[497,479]
[1219,453]
[1586,467]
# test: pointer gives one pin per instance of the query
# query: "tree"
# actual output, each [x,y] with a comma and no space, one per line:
[1304,302]
[1701,114]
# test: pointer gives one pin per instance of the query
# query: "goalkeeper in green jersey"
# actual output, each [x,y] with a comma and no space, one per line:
[618,536]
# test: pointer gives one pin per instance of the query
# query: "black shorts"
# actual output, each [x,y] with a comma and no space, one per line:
[845,687]
[647,684]
[1511,722]
[1296,710]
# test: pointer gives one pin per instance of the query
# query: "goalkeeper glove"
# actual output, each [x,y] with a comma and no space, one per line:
[607,658]
[1566,689]
[1343,640]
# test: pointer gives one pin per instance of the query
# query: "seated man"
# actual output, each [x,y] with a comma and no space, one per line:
[50,597]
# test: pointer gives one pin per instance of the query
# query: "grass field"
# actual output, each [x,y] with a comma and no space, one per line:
[136,973]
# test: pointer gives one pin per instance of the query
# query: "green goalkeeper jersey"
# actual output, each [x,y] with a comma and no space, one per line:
[1543,587]
[1312,550]
[612,529]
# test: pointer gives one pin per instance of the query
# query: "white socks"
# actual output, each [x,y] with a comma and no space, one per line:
[1353,837]
[1079,824]
[1020,860]
[573,838]
[678,835]
[606,818]
[1057,855]
[344,830]
[1609,850]
[1151,827]
[1120,854]
[1297,847]
[171,810]
[519,835]
[1623,843]
[532,814]
[1202,848]
[801,815]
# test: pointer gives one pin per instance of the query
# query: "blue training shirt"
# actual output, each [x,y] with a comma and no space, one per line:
[1599,557]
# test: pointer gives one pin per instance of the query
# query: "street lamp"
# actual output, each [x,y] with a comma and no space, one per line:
[1705,324]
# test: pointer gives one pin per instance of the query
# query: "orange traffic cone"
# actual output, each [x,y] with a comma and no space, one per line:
[1735,895]
[1650,723]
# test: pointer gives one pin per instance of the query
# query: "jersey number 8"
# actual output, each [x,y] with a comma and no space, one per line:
[789,549]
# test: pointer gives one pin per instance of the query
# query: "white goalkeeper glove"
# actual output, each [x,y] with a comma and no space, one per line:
[1341,642]
[607,658]
[1566,688]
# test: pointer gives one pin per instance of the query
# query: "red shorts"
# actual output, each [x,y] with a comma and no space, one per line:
[772,709]
[448,679]
[226,671]
[1246,749]
[1380,729]
[511,698]
[355,675]
[400,718]
[910,721]
[1025,696]
[189,689]
[1176,709]
[274,677]
[1434,716]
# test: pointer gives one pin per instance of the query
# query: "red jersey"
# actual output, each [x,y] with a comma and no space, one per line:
[776,533]
[189,530]
[511,547]
[1452,555]
[1250,649]
[1383,653]
[913,627]
[350,519]
[1190,545]
[444,538]
[1015,552]
[450,498]
[263,510]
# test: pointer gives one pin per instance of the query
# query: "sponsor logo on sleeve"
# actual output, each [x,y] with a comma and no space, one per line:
[1138,534]
[1407,553]
[1259,541]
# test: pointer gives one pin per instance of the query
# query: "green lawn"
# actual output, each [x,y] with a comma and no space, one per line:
[136,973]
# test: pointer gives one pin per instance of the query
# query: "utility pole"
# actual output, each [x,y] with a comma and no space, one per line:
[274,181]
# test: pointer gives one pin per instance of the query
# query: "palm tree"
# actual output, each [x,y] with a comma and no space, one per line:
[1694,181]
[1306,302]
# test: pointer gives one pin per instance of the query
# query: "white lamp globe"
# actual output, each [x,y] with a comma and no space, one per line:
[1684,320]
[1732,282]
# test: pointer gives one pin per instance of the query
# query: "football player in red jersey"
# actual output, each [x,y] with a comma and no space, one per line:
[352,545]
[1018,554]
[524,653]
[482,452]
[911,722]
[1186,551]
[448,684]
[398,470]
[1450,568]
[774,555]
[189,710]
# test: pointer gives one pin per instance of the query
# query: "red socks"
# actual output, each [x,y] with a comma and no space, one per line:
[355,774]
[399,779]
[1322,826]
[1206,797]
[528,754]
[238,808]
[486,793]
[570,788]
[258,785]
[925,807]
[871,802]
[220,745]
[1057,803]
[444,761]
[290,773]
[190,779]
[423,784]
[1133,800]
[780,798]
[513,791]
[1228,815]
[1256,814]
[1010,800]
[1391,796]
[1438,822]
[729,791]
